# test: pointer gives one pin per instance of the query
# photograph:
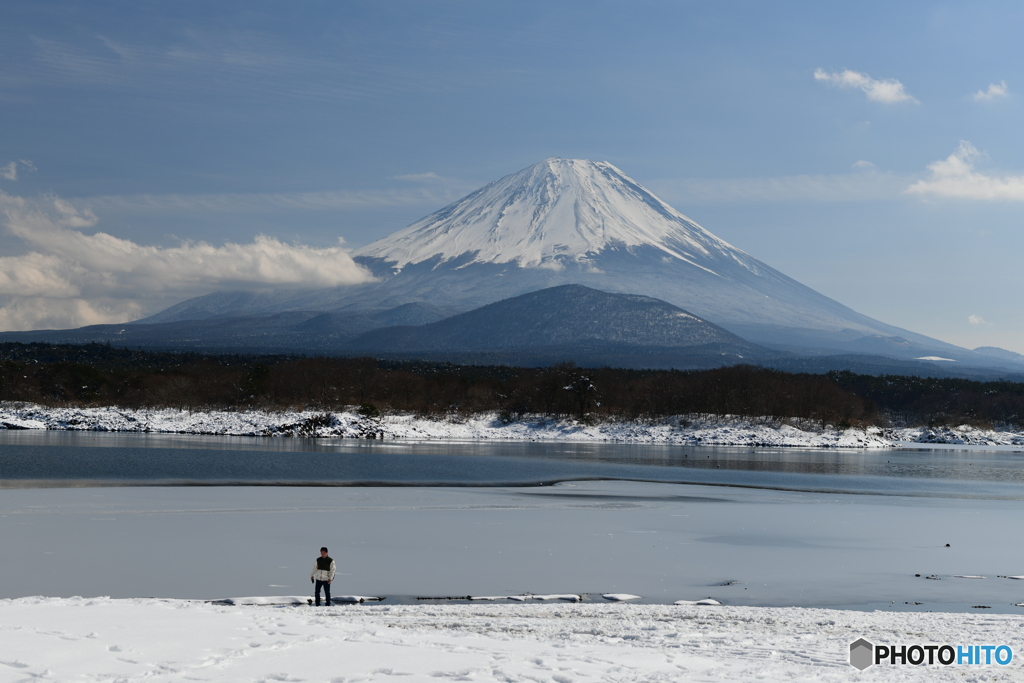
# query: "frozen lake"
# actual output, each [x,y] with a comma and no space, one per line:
[34,459]
[94,514]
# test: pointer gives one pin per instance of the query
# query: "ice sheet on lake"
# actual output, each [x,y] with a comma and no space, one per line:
[798,549]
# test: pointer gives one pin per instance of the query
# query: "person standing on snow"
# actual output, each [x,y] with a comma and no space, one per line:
[322,575]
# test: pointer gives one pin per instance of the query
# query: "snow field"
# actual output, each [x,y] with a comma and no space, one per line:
[101,639]
[723,432]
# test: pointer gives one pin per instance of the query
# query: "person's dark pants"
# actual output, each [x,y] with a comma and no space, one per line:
[327,592]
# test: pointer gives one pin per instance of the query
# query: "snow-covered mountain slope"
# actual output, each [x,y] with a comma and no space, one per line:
[554,211]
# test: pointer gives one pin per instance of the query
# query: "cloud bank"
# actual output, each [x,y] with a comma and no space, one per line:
[889,91]
[955,177]
[995,91]
[70,278]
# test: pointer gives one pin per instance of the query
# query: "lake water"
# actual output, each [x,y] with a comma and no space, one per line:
[144,515]
[39,459]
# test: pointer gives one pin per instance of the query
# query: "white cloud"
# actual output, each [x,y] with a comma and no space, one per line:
[10,171]
[994,91]
[43,313]
[70,278]
[976,320]
[863,165]
[889,91]
[955,177]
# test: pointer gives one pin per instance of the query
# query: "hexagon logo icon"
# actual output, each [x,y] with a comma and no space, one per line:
[862,653]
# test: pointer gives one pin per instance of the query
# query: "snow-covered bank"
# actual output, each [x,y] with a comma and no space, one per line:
[733,431]
[481,427]
[100,639]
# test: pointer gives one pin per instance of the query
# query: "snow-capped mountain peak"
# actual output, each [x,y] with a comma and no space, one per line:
[555,211]
[578,222]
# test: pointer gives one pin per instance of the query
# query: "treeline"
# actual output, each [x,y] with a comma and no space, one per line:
[939,402]
[93,375]
[102,375]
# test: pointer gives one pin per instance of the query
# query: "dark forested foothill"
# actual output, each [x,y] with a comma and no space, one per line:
[102,375]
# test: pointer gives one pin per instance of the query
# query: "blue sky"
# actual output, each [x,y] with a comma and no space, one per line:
[872,151]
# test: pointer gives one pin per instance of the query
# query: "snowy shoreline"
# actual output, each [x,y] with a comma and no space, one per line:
[726,431]
[98,639]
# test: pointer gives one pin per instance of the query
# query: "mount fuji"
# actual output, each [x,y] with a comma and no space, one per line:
[559,222]
[574,221]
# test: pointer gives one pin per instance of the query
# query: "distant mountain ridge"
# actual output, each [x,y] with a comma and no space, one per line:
[1001,354]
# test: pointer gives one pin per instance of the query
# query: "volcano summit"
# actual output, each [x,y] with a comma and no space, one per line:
[555,213]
